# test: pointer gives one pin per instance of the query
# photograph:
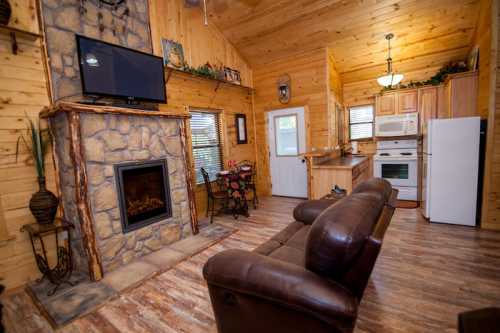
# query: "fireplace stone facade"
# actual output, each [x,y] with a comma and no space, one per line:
[107,140]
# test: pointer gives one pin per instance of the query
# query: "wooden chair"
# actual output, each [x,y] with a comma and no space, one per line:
[213,196]
[250,181]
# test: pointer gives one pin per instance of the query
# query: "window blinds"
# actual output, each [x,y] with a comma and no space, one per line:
[361,122]
[206,143]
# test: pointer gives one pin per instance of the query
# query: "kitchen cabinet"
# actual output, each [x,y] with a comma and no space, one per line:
[407,101]
[346,172]
[460,95]
[427,105]
[457,97]
[386,104]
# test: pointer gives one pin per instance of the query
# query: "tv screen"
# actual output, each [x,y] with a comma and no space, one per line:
[115,71]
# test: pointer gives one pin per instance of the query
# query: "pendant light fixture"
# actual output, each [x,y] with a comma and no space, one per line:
[391,78]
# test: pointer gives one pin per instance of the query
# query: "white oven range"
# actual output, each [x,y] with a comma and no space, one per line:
[397,162]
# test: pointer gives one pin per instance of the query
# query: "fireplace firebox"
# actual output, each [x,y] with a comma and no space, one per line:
[144,193]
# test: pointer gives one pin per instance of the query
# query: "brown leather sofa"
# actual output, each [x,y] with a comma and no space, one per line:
[311,276]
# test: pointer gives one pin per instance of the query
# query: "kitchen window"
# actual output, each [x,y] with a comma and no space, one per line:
[361,122]
[206,143]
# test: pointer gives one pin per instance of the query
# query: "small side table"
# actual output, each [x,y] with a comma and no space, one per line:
[61,272]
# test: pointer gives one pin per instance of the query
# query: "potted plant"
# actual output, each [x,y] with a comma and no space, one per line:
[43,204]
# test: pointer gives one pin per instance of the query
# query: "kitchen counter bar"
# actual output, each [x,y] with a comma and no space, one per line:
[347,162]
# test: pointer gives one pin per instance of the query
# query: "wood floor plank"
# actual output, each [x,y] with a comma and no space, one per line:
[425,275]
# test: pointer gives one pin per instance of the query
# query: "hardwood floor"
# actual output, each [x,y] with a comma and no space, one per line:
[426,275]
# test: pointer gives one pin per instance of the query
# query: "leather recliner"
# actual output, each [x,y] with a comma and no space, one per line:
[311,276]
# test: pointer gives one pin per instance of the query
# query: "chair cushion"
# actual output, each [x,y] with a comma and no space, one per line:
[339,233]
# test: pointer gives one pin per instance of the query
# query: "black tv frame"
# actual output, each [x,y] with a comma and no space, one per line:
[129,99]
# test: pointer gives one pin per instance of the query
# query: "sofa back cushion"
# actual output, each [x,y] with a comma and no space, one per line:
[339,233]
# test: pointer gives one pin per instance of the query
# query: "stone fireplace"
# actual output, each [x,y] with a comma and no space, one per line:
[123,180]
[144,193]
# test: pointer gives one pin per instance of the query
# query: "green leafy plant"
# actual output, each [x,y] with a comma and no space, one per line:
[204,70]
[36,141]
[436,79]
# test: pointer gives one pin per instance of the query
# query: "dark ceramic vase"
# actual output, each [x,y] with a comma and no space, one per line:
[43,204]
[5,12]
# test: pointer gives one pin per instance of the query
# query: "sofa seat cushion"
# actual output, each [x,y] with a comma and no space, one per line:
[288,245]
[290,255]
[284,235]
[267,248]
[299,239]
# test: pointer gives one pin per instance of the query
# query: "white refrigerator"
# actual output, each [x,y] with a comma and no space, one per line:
[450,170]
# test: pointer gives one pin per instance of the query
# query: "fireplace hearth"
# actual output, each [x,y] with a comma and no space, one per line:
[143,193]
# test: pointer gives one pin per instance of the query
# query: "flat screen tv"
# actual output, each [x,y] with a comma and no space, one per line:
[109,70]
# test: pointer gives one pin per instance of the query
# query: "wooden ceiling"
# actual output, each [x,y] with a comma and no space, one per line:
[427,31]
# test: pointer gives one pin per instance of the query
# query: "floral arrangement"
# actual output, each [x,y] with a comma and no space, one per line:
[232,164]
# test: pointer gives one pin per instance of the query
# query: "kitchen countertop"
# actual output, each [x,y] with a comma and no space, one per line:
[347,162]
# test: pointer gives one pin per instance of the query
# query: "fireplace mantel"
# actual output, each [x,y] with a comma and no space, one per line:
[88,140]
[64,106]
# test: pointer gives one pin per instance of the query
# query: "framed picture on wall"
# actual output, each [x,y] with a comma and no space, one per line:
[173,54]
[241,129]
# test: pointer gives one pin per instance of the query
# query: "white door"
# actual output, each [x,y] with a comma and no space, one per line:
[287,140]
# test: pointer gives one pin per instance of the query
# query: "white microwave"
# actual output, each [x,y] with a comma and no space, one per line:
[397,125]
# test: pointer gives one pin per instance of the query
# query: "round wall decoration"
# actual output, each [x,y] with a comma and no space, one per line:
[284,86]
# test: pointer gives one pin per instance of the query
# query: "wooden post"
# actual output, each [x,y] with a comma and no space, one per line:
[189,177]
[82,201]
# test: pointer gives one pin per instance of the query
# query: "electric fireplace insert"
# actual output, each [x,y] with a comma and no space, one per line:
[144,193]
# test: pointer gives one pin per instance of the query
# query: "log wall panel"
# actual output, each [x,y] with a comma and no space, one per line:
[23,92]
[308,73]
[491,202]
[483,40]
[171,20]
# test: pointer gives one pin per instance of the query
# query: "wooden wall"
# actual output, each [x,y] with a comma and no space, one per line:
[482,39]
[308,73]
[335,97]
[491,202]
[171,20]
[23,91]
[186,91]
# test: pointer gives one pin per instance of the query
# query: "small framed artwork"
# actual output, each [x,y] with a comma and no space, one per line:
[241,129]
[173,54]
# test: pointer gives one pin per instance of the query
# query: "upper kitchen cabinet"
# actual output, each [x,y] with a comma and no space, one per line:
[427,104]
[407,101]
[386,104]
[397,102]
[457,97]
[460,94]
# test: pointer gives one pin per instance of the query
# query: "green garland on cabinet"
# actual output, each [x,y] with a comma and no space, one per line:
[437,79]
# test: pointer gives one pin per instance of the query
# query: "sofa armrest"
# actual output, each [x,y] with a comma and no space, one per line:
[307,211]
[286,284]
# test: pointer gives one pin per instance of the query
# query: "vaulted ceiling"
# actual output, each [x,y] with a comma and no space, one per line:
[427,32]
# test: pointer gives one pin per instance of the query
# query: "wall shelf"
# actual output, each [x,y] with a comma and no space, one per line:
[169,71]
[14,31]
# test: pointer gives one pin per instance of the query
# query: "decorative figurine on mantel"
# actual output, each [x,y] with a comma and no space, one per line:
[43,204]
